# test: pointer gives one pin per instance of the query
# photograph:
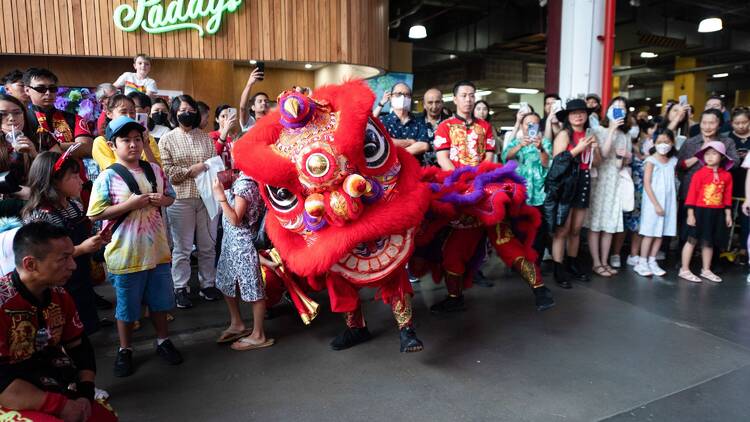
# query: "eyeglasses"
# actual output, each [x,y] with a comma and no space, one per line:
[401,94]
[44,88]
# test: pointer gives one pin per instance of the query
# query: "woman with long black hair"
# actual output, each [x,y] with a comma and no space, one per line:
[605,217]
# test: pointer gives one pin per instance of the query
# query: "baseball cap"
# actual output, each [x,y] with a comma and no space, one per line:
[122,125]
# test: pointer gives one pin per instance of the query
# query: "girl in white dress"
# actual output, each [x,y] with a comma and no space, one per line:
[659,203]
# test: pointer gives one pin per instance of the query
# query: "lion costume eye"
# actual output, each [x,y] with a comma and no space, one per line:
[282,199]
[376,146]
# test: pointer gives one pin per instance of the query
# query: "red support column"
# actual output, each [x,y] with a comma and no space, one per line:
[609,51]
[554,26]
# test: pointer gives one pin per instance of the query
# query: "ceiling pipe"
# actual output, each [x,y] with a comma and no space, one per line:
[397,22]
[721,8]
[531,57]
[711,67]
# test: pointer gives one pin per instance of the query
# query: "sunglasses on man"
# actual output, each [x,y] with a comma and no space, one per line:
[42,89]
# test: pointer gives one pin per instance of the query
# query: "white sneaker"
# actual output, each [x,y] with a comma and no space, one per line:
[656,269]
[632,260]
[614,261]
[547,256]
[748,278]
[660,256]
[642,269]
[100,394]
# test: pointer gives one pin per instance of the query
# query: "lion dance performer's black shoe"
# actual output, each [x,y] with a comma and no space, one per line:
[409,341]
[449,304]
[350,338]
[543,298]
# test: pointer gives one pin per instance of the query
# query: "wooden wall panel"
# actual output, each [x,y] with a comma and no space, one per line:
[333,31]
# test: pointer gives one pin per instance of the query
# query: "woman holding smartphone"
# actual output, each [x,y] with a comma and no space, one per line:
[532,150]
[605,216]
[225,131]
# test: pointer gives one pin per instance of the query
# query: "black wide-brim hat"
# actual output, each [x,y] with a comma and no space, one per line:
[572,105]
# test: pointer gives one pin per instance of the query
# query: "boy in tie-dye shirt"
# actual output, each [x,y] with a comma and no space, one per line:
[138,256]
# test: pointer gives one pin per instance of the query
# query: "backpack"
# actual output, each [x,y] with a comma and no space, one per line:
[125,174]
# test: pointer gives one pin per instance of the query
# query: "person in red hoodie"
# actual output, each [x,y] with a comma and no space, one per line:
[709,196]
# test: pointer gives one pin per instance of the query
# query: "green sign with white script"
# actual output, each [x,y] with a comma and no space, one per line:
[156,18]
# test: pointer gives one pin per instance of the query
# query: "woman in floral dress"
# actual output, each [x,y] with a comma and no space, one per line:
[605,217]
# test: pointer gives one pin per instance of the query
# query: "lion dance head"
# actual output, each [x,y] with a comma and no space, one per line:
[341,197]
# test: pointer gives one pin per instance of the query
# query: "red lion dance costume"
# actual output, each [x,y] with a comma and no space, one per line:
[469,202]
[343,201]
[344,204]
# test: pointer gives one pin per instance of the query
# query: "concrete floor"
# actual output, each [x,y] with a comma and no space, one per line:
[623,349]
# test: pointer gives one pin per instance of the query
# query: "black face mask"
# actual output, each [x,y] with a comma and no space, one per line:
[160,118]
[191,119]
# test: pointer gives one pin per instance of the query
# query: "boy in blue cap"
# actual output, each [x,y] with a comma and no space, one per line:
[130,194]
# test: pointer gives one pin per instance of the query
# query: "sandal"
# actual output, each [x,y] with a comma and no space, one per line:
[228,336]
[710,276]
[246,344]
[689,276]
[602,271]
[610,269]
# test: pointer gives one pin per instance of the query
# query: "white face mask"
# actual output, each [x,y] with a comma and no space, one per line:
[633,132]
[400,103]
[663,149]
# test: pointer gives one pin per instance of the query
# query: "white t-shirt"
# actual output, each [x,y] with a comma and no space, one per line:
[130,82]
[248,124]
[159,131]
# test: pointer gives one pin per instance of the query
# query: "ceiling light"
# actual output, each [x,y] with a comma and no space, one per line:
[521,91]
[452,56]
[631,108]
[253,61]
[648,55]
[447,98]
[720,75]
[482,93]
[417,32]
[507,127]
[648,98]
[659,104]
[492,112]
[710,25]
[308,66]
[631,86]
[722,96]
[514,106]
